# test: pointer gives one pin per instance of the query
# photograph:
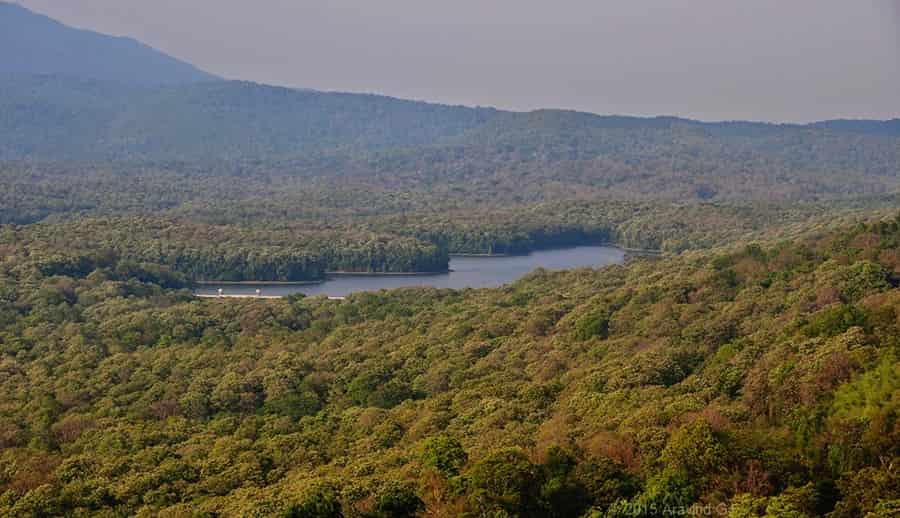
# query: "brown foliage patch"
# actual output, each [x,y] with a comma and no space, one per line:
[619,448]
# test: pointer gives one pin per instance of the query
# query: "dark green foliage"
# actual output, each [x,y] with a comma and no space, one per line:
[379,389]
[562,493]
[665,495]
[322,501]
[593,325]
[504,481]
[864,278]
[835,320]
[294,405]
[398,501]
[169,252]
[444,454]
[605,482]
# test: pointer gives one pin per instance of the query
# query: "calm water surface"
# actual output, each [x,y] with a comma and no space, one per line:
[467,272]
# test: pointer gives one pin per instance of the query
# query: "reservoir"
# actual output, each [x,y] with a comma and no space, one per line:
[465,272]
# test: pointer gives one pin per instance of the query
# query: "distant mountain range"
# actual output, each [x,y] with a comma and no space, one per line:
[60,117]
[69,94]
[31,44]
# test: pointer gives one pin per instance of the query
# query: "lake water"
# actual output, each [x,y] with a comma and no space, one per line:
[466,272]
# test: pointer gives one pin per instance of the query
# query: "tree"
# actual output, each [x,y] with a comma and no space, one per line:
[595,324]
[322,500]
[504,481]
[398,501]
[444,454]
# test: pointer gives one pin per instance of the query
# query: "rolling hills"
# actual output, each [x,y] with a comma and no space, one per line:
[82,97]
[392,142]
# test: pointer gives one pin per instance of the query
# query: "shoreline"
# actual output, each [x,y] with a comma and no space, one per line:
[258,283]
[249,296]
[484,255]
[313,283]
[386,274]
[646,251]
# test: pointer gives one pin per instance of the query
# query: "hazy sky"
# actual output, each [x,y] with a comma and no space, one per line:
[779,60]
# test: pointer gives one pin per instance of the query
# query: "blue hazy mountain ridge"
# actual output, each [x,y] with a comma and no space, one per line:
[31,44]
[62,118]
[68,94]
[57,117]
[874,127]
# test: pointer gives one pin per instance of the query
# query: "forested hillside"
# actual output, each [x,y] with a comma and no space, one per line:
[281,234]
[253,224]
[220,127]
[52,116]
[755,380]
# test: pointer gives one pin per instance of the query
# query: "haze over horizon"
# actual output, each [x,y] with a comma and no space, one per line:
[809,60]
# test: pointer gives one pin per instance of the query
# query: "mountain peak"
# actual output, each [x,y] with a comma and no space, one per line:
[34,44]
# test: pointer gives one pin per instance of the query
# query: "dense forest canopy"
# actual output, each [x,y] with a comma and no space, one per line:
[763,378]
[253,222]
